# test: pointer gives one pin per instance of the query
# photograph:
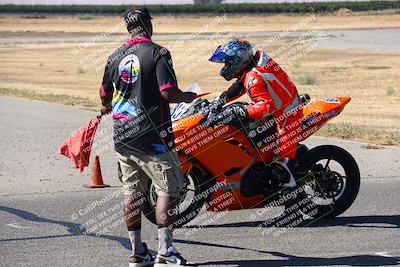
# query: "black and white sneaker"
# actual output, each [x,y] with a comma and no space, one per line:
[172,258]
[141,260]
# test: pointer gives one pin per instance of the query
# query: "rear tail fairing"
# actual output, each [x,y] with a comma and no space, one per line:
[319,111]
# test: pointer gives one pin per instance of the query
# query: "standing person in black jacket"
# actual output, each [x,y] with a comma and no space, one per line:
[139,83]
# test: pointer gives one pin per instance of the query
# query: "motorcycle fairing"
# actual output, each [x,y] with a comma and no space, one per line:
[222,151]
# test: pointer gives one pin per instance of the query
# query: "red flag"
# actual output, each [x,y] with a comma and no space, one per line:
[79,145]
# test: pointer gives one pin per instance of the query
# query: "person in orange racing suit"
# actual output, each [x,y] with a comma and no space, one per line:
[271,90]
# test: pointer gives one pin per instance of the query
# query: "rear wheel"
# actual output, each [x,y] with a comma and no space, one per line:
[196,192]
[330,178]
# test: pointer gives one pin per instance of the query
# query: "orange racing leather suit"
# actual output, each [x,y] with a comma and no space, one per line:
[273,93]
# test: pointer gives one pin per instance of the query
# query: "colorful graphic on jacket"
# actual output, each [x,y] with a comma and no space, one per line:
[129,69]
[123,109]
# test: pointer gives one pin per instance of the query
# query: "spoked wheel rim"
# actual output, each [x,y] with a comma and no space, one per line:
[331,180]
[331,183]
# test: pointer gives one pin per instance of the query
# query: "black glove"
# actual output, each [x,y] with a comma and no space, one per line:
[216,104]
[227,114]
[239,109]
[210,108]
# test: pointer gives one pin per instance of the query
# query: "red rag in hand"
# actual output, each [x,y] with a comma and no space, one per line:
[78,146]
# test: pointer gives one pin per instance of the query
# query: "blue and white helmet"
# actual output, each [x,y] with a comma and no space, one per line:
[236,55]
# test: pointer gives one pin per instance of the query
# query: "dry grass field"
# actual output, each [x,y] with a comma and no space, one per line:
[60,73]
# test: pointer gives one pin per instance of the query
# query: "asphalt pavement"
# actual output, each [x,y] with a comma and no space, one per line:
[48,219]
[385,39]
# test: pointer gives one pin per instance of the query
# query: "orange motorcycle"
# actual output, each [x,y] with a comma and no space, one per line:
[228,167]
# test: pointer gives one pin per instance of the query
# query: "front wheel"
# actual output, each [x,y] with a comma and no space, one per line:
[196,192]
[330,179]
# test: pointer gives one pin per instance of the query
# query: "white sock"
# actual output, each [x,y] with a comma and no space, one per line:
[292,181]
[136,241]
[164,240]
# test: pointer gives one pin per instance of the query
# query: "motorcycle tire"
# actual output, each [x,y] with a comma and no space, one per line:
[351,187]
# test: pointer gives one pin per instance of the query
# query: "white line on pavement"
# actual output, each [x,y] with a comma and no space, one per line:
[14,225]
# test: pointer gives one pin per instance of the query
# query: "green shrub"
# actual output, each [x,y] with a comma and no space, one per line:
[307,79]
[390,91]
[86,17]
[297,64]
[207,8]
[373,67]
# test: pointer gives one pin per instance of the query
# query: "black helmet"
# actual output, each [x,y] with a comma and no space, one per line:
[135,16]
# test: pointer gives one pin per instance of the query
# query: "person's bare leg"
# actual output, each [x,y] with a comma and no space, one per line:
[132,212]
[165,217]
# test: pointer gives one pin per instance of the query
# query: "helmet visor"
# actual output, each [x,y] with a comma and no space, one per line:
[219,56]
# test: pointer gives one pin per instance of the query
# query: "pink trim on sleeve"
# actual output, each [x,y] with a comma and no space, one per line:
[103,92]
[167,85]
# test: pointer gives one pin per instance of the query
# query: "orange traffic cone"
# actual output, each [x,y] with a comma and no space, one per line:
[96,179]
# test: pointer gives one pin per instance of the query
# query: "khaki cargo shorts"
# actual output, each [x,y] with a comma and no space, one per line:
[164,170]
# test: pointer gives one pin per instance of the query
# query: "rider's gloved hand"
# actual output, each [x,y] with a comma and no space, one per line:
[210,108]
[239,109]
[216,103]
[227,114]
